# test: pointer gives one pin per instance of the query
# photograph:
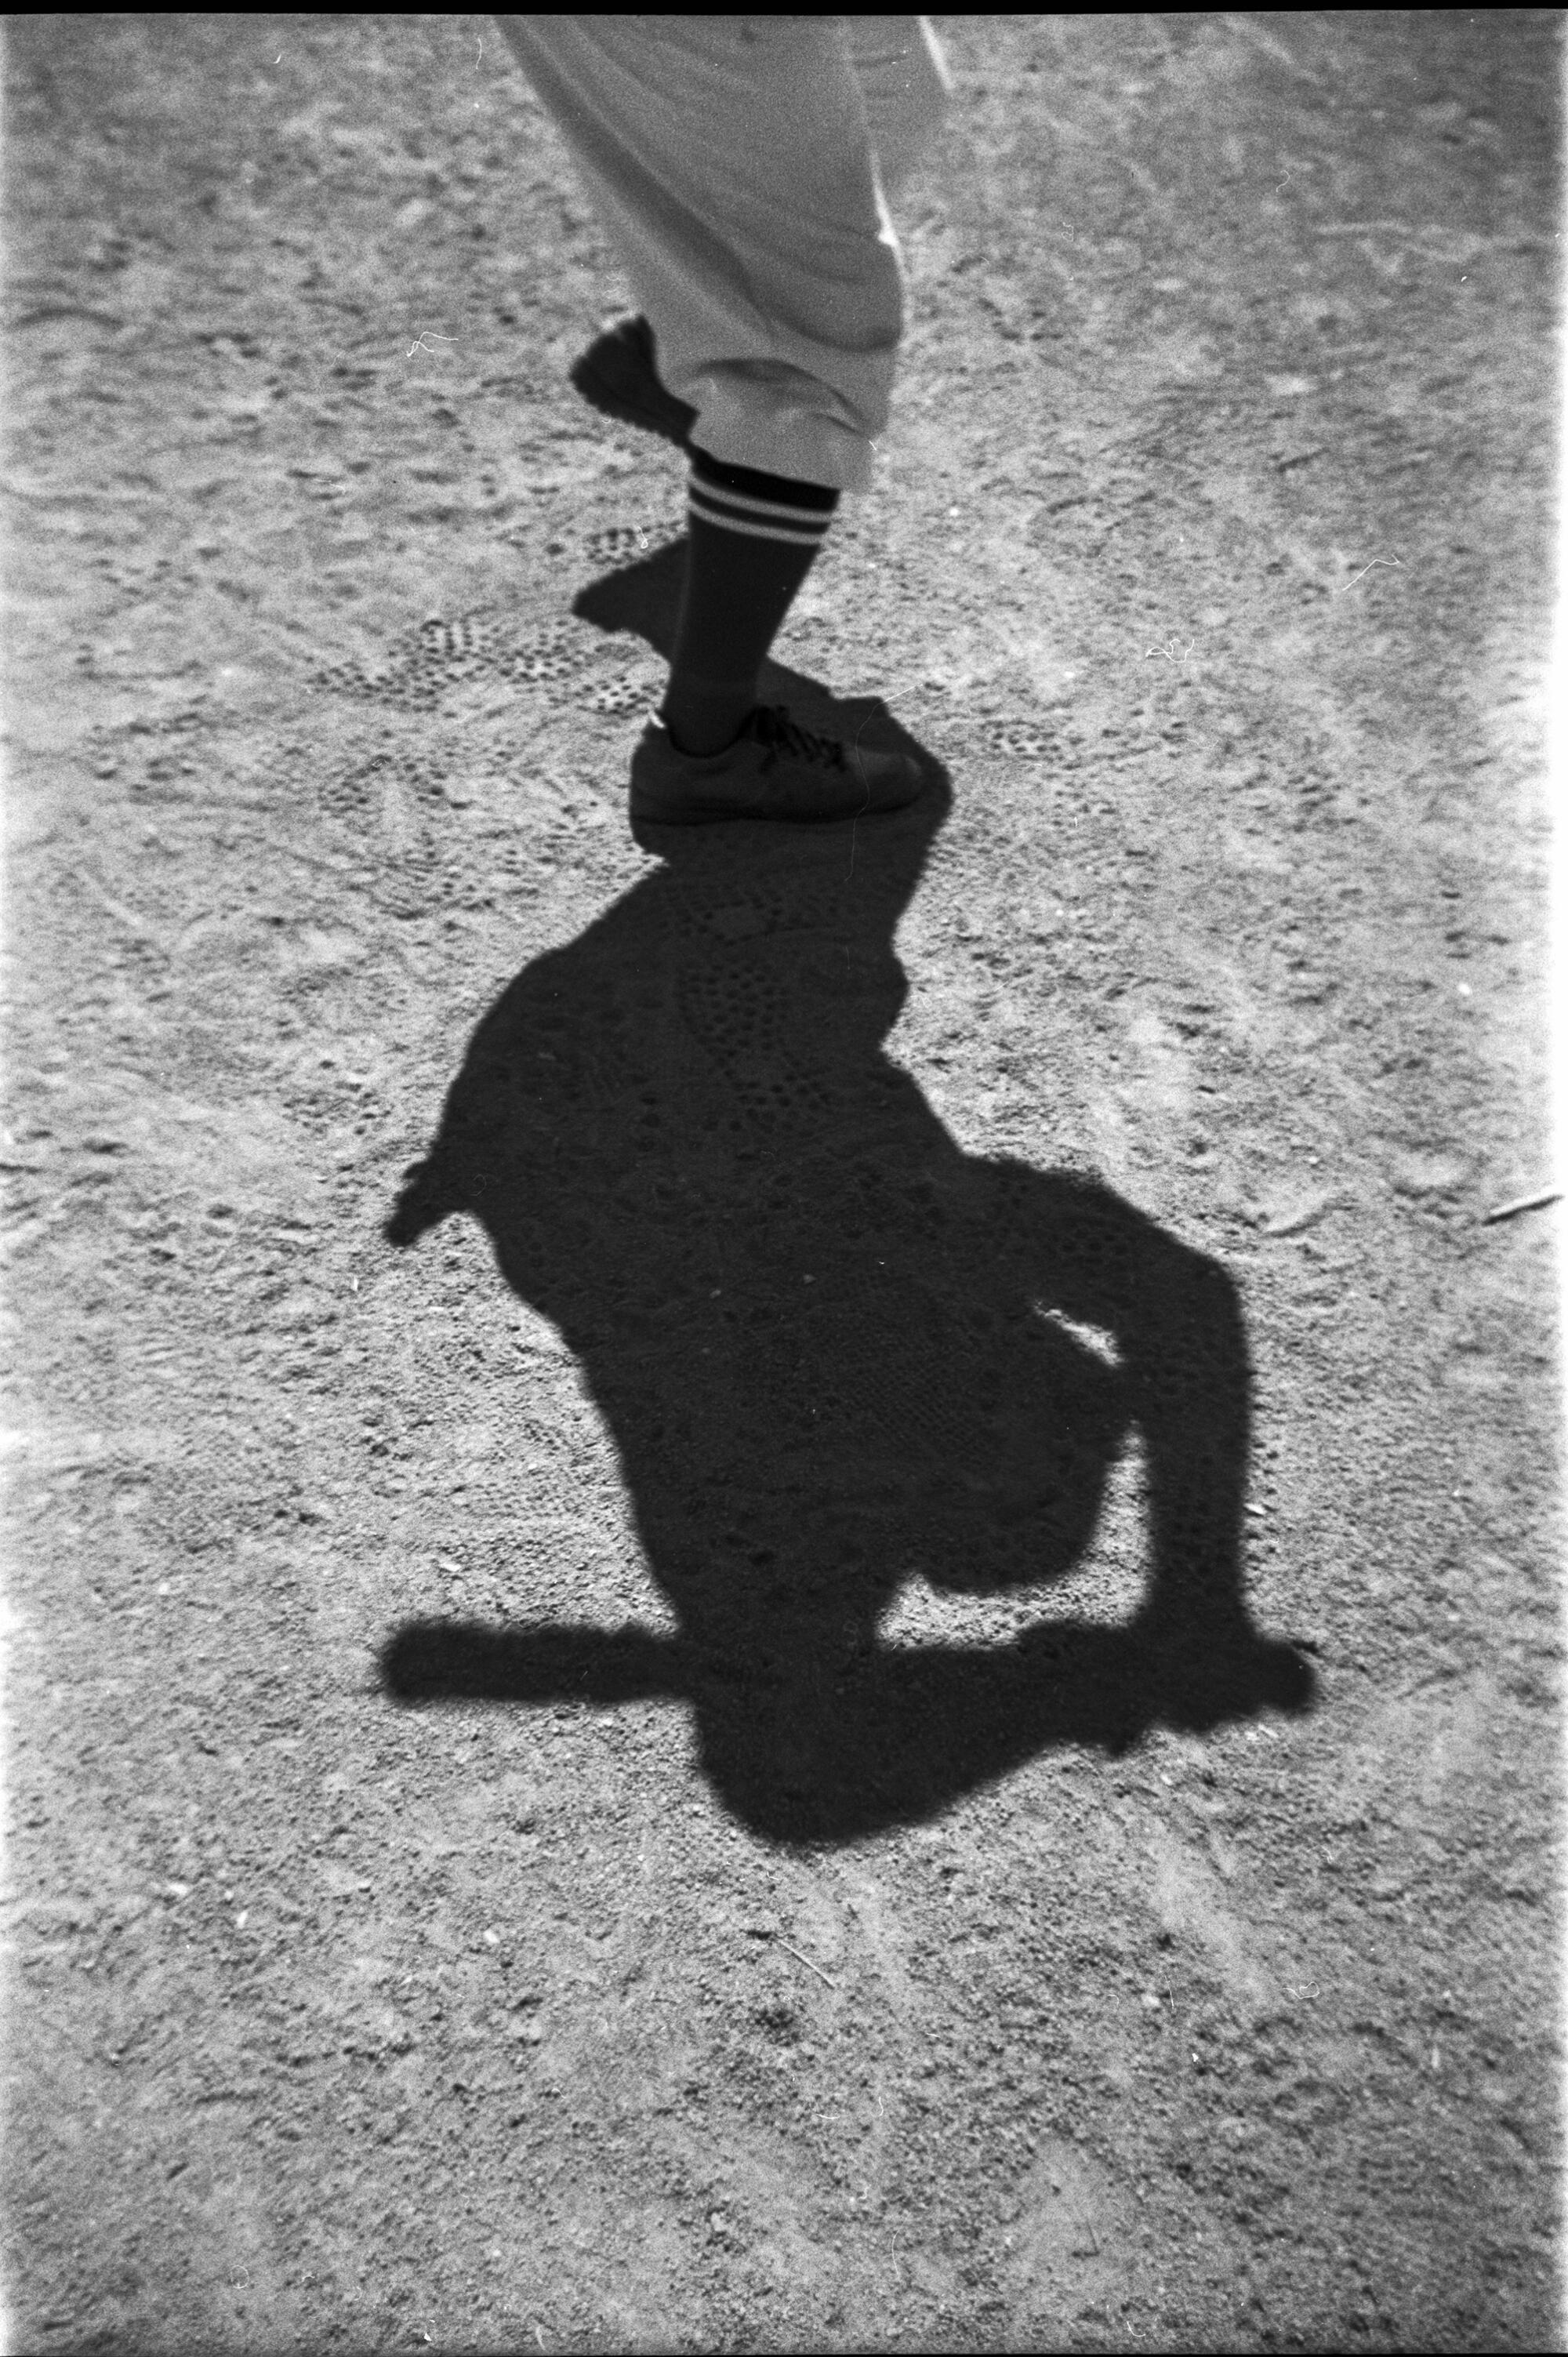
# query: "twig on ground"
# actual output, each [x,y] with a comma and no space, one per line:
[1536,1202]
[811,1967]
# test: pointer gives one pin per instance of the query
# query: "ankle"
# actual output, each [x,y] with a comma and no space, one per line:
[699,752]
[701,721]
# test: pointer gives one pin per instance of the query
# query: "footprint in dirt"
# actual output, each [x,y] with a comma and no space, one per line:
[835,1352]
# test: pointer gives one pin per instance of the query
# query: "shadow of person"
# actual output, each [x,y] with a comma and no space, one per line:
[835,1352]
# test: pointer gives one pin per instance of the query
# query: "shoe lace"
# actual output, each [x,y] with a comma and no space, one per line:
[773,729]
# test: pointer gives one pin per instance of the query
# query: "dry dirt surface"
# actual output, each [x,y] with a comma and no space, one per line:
[784,1588]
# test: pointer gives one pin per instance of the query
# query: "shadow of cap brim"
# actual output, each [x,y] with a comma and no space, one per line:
[424,1201]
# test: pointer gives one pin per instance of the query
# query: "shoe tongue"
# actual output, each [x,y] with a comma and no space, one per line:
[802,741]
[775,726]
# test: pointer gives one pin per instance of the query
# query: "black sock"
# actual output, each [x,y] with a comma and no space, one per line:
[753,537]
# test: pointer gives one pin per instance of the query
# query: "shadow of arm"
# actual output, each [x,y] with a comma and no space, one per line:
[1176,1316]
[1175,1319]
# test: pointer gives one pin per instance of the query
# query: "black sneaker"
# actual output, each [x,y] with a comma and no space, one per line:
[775,769]
[618,376]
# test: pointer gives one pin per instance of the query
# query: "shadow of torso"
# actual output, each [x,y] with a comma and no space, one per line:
[834,1353]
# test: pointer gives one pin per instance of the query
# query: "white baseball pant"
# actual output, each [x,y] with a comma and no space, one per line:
[741,166]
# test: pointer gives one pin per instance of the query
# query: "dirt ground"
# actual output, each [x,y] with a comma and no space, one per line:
[863,1653]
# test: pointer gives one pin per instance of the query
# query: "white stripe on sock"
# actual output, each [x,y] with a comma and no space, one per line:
[741,503]
[751,530]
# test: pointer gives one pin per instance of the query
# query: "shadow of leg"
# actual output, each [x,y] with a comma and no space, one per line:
[644,599]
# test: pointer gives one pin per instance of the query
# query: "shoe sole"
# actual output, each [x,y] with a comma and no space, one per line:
[645,812]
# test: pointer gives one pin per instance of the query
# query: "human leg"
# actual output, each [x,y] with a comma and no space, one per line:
[906,87]
[730,163]
[751,540]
